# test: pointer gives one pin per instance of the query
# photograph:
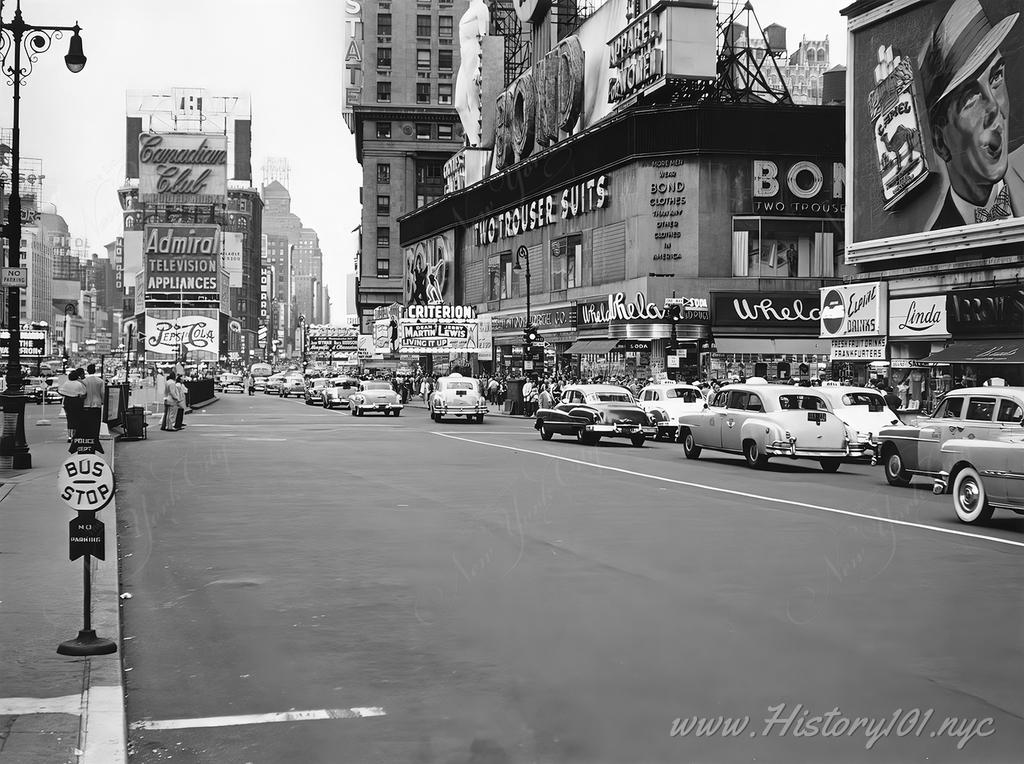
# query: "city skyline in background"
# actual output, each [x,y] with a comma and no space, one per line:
[267,49]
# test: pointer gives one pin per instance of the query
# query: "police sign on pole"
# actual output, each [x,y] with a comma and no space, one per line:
[85,483]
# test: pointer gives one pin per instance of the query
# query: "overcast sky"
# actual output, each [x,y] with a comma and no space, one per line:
[285,53]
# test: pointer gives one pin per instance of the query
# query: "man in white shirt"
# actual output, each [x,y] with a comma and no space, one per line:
[92,408]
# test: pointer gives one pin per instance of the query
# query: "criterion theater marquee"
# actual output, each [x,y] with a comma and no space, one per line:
[578,199]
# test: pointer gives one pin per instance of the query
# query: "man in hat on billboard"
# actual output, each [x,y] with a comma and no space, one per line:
[964,81]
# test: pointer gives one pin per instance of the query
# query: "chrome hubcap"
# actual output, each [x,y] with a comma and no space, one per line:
[894,464]
[969,495]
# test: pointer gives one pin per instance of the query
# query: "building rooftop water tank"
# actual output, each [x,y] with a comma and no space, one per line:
[833,85]
[776,36]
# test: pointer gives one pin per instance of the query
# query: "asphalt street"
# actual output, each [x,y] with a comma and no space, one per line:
[308,586]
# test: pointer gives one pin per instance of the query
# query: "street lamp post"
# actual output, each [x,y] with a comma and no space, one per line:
[302,340]
[36,39]
[524,254]
[69,311]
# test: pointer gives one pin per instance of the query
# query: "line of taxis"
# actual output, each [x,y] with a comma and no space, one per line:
[971,447]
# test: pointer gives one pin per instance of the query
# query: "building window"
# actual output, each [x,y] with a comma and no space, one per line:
[422,26]
[768,248]
[383,58]
[383,204]
[422,92]
[383,268]
[423,131]
[444,132]
[383,237]
[383,130]
[445,26]
[565,261]
[499,276]
[424,199]
[444,92]
[422,59]
[383,170]
[429,171]
[384,24]
[444,60]
[383,92]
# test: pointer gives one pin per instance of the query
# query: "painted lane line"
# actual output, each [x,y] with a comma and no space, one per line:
[731,492]
[263,440]
[65,704]
[231,721]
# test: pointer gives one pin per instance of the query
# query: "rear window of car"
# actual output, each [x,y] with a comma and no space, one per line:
[376,386]
[806,402]
[873,401]
[1009,411]
[682,393]
[610,397]
[458,386]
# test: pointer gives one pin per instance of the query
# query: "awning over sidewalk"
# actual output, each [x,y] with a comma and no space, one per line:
[591,347]
[774,346]
[980,351]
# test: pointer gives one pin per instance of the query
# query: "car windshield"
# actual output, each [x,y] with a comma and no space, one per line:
[228,378]
[683,393]
[873,401]
[318,383]
[610,397]
[459,385]
[376,386]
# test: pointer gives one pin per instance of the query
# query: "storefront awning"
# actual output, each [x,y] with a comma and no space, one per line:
[774,346]
[591,347]
[1002,351]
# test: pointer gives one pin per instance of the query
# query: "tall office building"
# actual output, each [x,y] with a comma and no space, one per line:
[399,104]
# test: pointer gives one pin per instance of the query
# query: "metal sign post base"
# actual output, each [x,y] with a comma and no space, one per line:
[87,643]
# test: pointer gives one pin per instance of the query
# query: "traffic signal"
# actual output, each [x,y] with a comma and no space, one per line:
[531,335]
[674,312]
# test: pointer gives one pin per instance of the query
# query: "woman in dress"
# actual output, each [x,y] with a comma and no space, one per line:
[73,390]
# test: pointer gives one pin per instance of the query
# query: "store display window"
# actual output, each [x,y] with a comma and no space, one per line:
[785,247]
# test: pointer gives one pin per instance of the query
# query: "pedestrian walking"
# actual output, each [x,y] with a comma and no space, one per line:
[182,405]
[250,384]
[171,395]
[545,400]
[73,390]
[92,406]
[892,400]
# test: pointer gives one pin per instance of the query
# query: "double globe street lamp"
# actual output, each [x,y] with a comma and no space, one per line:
[23,43]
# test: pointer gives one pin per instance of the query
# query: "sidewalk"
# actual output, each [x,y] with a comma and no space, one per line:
[54,708]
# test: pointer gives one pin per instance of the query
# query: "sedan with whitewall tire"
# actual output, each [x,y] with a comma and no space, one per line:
[765,421]
[375,398]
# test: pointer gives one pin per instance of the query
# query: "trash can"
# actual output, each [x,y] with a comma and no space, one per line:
[135,424]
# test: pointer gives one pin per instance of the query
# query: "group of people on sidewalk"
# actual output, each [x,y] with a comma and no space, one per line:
[83,400]
[175,394]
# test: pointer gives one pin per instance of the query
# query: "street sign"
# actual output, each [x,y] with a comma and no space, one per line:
[14,277]
[676,300]
[85,483]
[673,361]
[85,536]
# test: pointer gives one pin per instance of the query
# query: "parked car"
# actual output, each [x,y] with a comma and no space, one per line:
[314,393]
[973,413]
[272,385]
[338,391]
[863,409]
[666,401]
[592,412]
[232,383]
[292,384]
[762,421]
[984,475]
[34,388]
[375,397]
[456,395]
